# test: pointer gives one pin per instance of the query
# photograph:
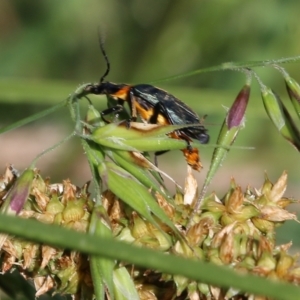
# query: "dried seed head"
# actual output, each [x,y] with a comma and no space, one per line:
[234,203]
[6,181]
[199,232]
[165,205]
[190,188]
[284,263]
[227,251]
[238,230]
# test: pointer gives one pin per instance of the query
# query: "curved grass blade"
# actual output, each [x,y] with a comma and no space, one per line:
[34,117]
[137,196]
[130,163]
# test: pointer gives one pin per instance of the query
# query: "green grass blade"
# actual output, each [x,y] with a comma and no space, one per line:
[34,117]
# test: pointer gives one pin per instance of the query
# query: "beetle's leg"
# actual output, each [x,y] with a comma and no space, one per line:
[184,137]
[114,109]
[132,107]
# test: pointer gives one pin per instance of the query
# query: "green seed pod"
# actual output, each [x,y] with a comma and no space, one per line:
[243,244]
[69,279]
[204,289]
[139,229]
[54,206]
[181,283]
[280,117]
[247,212]
[263,225]
[248,263]
[163,243]
[213,256]
[74,211]
[293,89]
[227,219]
[266,263]
[93,117]
[212,204]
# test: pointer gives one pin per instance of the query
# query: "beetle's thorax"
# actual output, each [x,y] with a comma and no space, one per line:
[114,90]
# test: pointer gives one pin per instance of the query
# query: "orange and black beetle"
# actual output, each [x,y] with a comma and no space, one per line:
[154,106]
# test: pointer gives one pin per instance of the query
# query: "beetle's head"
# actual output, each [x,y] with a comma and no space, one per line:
[109,88]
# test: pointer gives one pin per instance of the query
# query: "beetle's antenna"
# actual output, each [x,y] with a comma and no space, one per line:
[101,43]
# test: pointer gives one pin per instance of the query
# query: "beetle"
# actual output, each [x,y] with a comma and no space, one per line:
[155,106]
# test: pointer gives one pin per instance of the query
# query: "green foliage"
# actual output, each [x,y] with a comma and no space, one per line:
[146,41]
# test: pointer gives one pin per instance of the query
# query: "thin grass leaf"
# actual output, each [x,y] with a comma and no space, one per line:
[127,161]
[124,286]
[137,130]
[140,145]
[137,196]
[33,118]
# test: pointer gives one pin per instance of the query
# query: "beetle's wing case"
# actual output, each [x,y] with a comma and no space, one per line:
[176,111]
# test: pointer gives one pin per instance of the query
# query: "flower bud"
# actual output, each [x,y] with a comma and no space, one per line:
[263,225]
[266,264]
[181,283]
[247,212]
[213,204]
[19,193]
[234,203]
[293,89]
[236,114]
[74,210]
[93,116]
[232,124]
[227,249]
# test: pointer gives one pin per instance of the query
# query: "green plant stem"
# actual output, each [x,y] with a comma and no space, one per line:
[234,66]
[34,117]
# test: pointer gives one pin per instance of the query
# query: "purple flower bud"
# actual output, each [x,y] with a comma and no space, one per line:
[236,113]
[19,193]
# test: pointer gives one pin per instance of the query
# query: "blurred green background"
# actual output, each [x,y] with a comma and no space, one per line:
[49,47]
